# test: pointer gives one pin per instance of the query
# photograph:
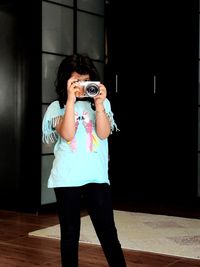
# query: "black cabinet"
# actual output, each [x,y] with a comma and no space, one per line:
[20,114]
[152,75]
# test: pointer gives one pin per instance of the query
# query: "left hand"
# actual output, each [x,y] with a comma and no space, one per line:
[99,99]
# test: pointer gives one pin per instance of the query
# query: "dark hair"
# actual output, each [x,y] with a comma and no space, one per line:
[81,64]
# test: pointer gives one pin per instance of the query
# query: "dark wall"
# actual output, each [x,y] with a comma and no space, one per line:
[20,105]
[9,111]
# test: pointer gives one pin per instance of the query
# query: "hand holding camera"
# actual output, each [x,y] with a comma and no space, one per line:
[90,88]
[86,88]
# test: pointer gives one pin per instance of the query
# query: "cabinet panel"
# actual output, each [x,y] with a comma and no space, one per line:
[155,102]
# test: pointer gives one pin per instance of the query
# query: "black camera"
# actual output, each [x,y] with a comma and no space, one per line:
[91,88]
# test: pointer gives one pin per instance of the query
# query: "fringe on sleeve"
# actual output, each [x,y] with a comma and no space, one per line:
[112,122]
[49,133]
[50,120]
[110,115]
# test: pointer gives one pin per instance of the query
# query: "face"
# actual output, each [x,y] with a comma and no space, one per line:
[80,77]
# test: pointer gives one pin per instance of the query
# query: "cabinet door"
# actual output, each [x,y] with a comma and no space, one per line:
[131,65]
[177,79]
[154,100]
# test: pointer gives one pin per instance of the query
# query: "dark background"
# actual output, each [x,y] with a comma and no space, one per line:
[153,50]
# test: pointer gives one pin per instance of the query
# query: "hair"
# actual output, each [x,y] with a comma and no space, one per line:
[81,64]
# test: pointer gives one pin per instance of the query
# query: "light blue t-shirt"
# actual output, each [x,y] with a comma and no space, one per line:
[83,160]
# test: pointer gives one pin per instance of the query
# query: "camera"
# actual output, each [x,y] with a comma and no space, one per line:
[91,88]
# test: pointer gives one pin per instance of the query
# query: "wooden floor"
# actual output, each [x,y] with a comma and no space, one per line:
[17,249]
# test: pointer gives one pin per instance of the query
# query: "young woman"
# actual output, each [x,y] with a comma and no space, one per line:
[80,122]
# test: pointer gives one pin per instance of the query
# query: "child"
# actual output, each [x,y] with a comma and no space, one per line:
[80,124]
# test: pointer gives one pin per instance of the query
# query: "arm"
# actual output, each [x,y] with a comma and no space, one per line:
[103,127]
[66,126]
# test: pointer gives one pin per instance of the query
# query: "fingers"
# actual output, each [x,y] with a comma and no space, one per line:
[103,91]
[73,90]
[101,96]
[72,82]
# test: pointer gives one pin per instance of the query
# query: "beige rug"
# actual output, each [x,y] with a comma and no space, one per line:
[145,232]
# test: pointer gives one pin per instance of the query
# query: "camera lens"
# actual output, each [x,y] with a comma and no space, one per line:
[92,89]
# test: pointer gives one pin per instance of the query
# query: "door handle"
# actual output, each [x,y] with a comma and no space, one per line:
[154,84]
[116,83]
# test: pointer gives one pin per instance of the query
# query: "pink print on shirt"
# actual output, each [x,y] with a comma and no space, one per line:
[92,140]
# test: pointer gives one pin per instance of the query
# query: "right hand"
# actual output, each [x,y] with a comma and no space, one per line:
[73,90]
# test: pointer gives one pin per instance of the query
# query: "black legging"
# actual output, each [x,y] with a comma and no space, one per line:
[97,198]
